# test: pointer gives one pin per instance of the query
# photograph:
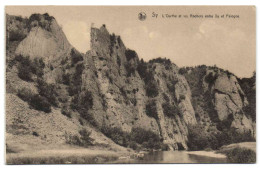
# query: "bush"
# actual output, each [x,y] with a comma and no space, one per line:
[40,103]
[37,67]
[75,56]
[34,100]
[66,79]
[84,140]
[241,155]
[83,103]
[25,94]
[130,54]
[148,77]
[66,112]
[43,21]
[75,84]
[151,110]
[146,138]
[200,139]
[35,134]
[24,69]
[16,35]
[133,145]
[152,89]
[170,110]
[130,69]
[116,134]
[48,91]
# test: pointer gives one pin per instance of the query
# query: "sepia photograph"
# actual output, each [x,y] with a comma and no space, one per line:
[130,84]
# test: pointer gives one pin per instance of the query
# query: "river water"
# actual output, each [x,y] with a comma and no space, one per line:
[172,157]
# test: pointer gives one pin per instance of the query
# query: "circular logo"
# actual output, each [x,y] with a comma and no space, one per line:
[142,16]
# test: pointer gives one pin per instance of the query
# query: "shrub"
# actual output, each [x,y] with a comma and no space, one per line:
[24,69]
[210,78]
[118,60]
[34,100]
[148,77]
[170,110]
[66,112]
[241,155]
[37,67]
[180,146]
[75,56]
[152,89]
[25,94]
[151,109]
[200,139]
[133,145]
[86,100]
[16,35]
[116,134]
[48,91]
[84,140]
[75,84]
[66,79]
[89,117]
[146,137]
[83,103]
[43,21]
[40,103]
[142,68]
[130,69]
[130,54]
[35,134]
[85,137]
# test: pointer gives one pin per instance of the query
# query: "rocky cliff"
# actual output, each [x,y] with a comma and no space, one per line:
[110,87]
[218,99]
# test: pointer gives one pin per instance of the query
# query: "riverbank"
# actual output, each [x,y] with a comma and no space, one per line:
[248,145]
[70,155]
[213,154]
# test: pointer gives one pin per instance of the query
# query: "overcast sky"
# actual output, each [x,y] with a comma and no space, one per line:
[226,42]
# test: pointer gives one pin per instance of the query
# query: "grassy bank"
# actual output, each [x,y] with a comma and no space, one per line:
[64,156]
[86,159]
[240,152]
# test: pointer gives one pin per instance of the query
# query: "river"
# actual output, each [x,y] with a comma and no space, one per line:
[172,157]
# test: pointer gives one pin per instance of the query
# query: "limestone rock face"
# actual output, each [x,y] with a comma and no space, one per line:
[229,100]
[122,90]
[45,39]
[218,97]
[120,95]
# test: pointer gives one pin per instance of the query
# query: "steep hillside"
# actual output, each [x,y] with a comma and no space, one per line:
[218,99]
[55,91]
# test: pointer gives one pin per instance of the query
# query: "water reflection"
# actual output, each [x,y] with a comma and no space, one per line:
[173,157]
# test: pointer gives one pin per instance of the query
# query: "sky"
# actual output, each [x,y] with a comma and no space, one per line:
[228,42]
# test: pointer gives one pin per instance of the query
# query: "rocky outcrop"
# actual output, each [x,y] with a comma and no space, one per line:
[116,89]
[223,92]
[45,39]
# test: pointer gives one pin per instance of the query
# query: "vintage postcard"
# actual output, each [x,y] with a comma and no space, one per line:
[130,84]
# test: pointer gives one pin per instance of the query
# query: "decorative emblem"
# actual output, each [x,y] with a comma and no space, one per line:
[142,16]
